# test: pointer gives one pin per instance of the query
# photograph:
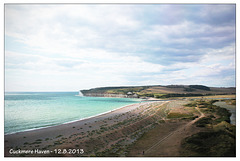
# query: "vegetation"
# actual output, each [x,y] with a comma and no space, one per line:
[213,143]
[231,101]
[223,113]
[220,137]
[175,86]
[192,104]
[146,95]
[178,95]
[208,107]
[159,91]
[115,90]
[126,90]
[59,136]
[200,87]
[189,89]
[203,122]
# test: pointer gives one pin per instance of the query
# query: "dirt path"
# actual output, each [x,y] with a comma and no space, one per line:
[169,144]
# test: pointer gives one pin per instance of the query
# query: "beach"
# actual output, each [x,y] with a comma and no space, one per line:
[148,128]
[77,134]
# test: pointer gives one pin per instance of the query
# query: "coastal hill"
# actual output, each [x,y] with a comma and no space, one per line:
[158,91]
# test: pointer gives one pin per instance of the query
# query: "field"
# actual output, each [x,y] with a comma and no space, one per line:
[159,91]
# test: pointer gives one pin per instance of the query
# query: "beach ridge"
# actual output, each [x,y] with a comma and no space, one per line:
[49,135]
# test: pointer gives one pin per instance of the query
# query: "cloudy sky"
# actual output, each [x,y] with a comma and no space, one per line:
[72,47]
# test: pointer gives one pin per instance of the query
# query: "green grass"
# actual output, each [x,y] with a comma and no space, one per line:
[161,121]
[214,144]
[220,138]
[231,101]
[58,136]
[192,104]
[39,140]
[202,122]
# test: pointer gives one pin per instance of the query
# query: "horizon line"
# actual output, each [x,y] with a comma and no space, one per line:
[124,86]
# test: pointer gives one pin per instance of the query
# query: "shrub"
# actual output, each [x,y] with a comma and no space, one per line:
[200,87]
[202,122]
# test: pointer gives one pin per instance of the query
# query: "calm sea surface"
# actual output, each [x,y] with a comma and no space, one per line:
[32,110]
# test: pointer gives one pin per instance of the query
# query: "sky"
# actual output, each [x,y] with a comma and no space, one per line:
[81,46]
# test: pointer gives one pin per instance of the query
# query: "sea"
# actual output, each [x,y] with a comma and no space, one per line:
[24,111]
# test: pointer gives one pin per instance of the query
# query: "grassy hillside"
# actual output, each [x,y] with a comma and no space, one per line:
[159,91]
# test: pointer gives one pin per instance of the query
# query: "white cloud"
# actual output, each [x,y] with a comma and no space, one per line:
[103,45]
[222,54]
[97,68]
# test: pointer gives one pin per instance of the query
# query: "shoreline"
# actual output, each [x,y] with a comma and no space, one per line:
[103,113]
[125,131]
[67,130]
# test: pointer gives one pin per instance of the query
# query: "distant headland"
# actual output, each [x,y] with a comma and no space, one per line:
[158,91]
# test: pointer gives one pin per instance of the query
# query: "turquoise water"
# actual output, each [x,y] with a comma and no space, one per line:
[32,110]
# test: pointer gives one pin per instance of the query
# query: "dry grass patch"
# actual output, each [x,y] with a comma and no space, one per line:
[174,115]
